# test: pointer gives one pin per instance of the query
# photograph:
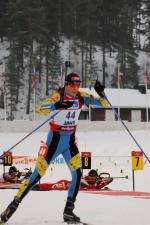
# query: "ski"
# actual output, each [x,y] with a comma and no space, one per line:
[78,223]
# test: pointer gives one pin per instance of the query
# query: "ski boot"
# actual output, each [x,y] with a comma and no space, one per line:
[4,217]
[68,214]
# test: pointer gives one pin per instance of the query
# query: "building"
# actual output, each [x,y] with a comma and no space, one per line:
[130,104]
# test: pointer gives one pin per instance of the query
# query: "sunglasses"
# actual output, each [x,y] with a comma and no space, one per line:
[74,84]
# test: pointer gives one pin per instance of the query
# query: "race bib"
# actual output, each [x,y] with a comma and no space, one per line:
[43,150]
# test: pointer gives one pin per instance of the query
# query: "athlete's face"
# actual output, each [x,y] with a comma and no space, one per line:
[72,88]
[13,174]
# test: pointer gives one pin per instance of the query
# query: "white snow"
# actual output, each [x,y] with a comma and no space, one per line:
[111,151]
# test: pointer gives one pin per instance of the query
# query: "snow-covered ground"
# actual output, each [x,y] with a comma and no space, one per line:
[43,208]
[111,152]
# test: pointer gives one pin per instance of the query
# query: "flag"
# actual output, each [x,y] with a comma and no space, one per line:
[2,96]
[120,80]
[120,74]
[146,77]
[34,79]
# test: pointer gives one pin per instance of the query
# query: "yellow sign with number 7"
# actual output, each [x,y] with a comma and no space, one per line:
[137,160]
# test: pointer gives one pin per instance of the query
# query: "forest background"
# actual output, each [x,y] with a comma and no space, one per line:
[100,38]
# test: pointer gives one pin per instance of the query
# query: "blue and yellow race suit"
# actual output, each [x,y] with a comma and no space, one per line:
[61,139]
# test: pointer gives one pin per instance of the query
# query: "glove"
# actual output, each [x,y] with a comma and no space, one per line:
[18,174]
[63,105]
[99,88]
[18,181]
[28,174]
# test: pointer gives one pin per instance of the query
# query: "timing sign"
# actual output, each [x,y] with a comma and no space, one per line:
[7,159]
[137,160]
[86,160]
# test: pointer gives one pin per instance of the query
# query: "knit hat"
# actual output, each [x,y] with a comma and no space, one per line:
[13,169]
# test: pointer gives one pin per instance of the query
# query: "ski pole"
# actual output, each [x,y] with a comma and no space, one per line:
[127,129]
[51,117]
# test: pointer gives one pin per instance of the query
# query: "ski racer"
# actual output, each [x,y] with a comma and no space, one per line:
[14,175]
[90,179]
[61,140]
[96,181]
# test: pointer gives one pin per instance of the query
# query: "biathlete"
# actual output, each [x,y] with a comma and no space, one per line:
[14,175]
[61,140]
